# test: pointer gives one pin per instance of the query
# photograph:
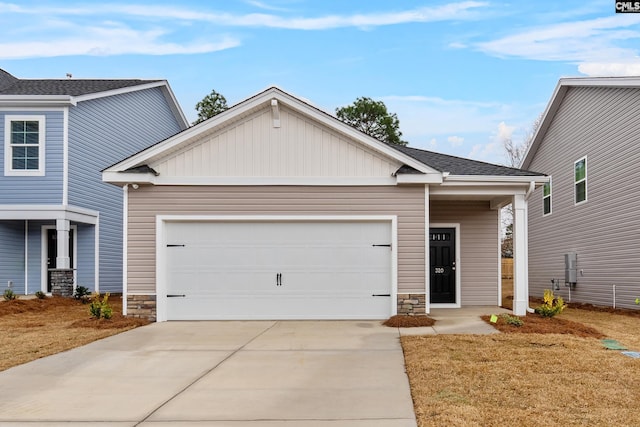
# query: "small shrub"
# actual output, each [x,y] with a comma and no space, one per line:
[99,307]
[9,295]
[512,320]
[40,295]
[82,293]
[551,305]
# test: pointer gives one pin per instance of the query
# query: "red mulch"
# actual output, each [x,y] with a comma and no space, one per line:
[536,324]
[405,321]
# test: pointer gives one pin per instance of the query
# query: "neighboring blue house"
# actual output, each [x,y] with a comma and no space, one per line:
[56,136]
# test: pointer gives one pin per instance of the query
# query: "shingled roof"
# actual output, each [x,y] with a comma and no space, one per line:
[10,85]
[458,165]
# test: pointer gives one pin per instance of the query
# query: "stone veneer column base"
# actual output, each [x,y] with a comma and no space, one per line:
[412,304]
[62,282]
[142,306]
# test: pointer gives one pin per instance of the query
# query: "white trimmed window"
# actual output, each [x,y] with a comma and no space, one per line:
[24,145]
[546,198]
[580,180]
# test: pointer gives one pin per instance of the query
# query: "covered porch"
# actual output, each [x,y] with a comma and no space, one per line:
[36,240]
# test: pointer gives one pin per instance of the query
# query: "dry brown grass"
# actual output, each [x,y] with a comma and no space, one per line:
[31,329]
[528,379]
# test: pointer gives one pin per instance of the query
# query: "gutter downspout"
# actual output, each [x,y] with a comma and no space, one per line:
[532,187]
[26,257]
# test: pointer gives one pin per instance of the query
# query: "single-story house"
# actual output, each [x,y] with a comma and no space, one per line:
[275,209]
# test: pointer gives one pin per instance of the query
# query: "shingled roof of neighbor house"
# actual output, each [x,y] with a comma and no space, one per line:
[11,85]
[458,165]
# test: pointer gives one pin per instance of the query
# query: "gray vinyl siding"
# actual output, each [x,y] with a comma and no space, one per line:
[147,202]
[478,247]
[101,133]
[12,255]
[602,124]
[45,189]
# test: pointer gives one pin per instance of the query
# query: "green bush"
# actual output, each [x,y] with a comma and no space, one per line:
[9,295]
[40,295]
[99,307]
[82,293]
[512,320]
[551,305]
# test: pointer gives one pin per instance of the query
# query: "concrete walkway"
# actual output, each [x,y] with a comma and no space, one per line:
[271,373]
[464,320]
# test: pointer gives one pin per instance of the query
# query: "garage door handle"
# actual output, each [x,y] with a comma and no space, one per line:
[381,295]
[175,296]
[279,279]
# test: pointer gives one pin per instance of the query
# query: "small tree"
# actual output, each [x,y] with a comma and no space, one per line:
[372,118]
[211,105]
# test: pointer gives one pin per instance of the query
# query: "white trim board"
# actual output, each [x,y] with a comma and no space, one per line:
[162,220]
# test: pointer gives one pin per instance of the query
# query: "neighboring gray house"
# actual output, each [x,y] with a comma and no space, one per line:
[589,143]
[275,209]
[56,137]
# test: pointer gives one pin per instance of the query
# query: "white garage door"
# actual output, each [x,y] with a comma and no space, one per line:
[278,270]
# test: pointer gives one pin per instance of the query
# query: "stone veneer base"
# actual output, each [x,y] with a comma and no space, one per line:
[142,306]
[412,304]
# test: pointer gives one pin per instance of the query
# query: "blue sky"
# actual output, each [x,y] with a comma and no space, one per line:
[461,75]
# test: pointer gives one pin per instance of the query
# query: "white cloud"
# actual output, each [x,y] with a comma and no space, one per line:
[455,141]
[433,143]
[610,68]
[504,132]
[111,40]
[452,11]
[486,152]
[599,45]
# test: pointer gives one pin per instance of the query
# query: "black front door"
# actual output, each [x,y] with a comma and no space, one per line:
[52,252]
[442,261]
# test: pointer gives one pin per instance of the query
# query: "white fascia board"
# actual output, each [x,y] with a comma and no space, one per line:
[476,191]
[36,100]
[120,91]
[414,178]
[255,102]
[48,212]
[128,177]
[137,178]
[494,179]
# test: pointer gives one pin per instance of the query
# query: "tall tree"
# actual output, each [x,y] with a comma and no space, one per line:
[372,118]
[211,105]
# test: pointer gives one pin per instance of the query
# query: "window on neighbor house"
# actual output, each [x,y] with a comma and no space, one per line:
[24,145]
[580,177]
[546,197]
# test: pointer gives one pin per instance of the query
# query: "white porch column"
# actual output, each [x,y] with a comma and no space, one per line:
[62,238]
[427,241]
[520,259]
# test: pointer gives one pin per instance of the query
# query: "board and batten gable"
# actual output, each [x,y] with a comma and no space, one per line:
[103,131]
[602,124]
[479,247]
[146,202]
[45,189]
[253,147]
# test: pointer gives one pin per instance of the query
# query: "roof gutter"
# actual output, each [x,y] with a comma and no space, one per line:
[36,100]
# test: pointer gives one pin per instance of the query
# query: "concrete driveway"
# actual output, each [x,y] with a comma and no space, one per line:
[267,373]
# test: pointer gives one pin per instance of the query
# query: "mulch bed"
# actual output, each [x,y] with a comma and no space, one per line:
[35,305]
[404,321]
[536,324]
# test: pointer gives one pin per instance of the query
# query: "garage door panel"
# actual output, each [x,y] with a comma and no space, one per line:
[278,270]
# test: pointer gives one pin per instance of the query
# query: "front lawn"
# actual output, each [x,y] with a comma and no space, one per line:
[542,377]
[33,328]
